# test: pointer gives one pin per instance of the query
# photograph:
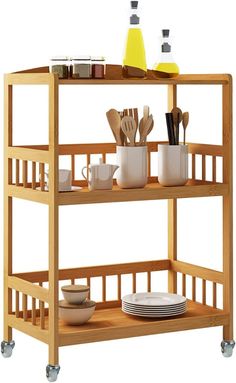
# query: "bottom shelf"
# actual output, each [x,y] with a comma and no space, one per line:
[112,323]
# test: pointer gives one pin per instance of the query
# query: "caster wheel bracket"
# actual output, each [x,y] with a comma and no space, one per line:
[227,348]
[52,372]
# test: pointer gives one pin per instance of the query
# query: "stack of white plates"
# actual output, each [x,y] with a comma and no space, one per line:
[154,305]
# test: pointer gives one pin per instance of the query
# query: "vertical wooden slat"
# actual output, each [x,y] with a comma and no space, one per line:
[214,292]
[42,315]
[24,306]
[88,163]
[33,319]
[73,167]
[42,176]
[104,288]
[104,158]
[149,281]
[17,304]
[228,208]
[119,287]
[89,285]
[194,289]
[17,172]
[172,210]
[214,168]
[203,291]
[7,208]
[25,173]
[203,167]
[193,166]
[149,163]
[72,281]
[134,282]
[184,285]
[33,175]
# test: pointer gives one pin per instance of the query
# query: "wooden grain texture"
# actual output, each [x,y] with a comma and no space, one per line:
[25,173]
[28,194]
[184,285]
[193,166]
[17,302]
[112,323]
[7,208]
[27,154]
[53,221]
[33,175]
[17,172]
[42,176]
[228,209]
[28,288]
[33,315]
[214,168]
[214,293]
[24,306]
[193,289]
[172,210]
[27,328]
[203,291]
[198,271]
[203,167]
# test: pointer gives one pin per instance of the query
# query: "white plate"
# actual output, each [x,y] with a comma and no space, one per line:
[154,315]
[154,299]
[73,188]
[169,307]
[153,311]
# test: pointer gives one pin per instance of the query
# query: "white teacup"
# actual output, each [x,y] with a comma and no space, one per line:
[64,180]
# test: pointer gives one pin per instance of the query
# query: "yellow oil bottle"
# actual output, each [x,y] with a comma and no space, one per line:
[166,66]
[134,61]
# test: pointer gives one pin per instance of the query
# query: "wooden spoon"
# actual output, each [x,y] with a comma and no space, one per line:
[147,128]
[129,127]
[115,122]
[177,118]
[143,120]
[185,122]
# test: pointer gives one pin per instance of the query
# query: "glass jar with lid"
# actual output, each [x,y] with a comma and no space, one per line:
[98,67]
[60,65]
[81,67]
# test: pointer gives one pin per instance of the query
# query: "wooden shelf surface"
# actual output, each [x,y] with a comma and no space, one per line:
[112,323]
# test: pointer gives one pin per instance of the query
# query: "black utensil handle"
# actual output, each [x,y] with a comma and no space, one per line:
[170,126]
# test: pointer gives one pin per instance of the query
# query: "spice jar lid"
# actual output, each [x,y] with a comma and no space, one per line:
[81,58]
[84,305]
[60,58]
[75,288]
[98,58]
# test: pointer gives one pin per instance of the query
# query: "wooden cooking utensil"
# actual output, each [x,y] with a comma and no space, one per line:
[185,122]
[129,127]
[147,128]
[115,122]
[177,118]
[145,113]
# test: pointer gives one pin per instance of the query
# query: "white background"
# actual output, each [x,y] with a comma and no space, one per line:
[203,31]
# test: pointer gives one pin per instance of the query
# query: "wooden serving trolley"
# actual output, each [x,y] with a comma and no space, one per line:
[31,307]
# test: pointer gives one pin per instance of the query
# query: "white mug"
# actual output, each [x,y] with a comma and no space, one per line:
[132,161]
[172,164]
[64,180]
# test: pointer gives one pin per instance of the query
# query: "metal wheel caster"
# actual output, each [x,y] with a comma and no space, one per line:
[6,348]
[227,348]
[52,372]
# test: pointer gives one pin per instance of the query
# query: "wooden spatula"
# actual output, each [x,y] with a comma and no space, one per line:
[185,122]
[129,127]
[177,118]
[115,123]
[147,128]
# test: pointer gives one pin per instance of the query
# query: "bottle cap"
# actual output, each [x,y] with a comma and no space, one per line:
[134,4]
[165,32]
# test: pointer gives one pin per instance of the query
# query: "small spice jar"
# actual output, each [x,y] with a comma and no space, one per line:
[98,67]
[60,65]
[81,67]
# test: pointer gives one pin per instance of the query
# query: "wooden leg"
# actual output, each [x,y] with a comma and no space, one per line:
[172,211]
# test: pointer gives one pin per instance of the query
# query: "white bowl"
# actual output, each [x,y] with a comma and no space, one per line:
[76,314]
[75,294]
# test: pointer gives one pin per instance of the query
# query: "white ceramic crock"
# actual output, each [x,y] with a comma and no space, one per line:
[132,162]
[172,164]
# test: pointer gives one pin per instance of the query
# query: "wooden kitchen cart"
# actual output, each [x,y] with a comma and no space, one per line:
[31,299]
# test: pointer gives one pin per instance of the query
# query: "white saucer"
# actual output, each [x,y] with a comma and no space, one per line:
[73,188]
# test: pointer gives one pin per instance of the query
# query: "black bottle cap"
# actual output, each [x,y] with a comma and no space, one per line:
[165,32]
[134,4]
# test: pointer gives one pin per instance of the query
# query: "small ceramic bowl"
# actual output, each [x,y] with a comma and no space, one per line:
[76,314]
[75,294]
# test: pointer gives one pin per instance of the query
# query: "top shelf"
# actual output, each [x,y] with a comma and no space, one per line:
[114,76]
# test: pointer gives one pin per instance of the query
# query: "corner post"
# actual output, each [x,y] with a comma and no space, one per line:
[228,208]
[7,208]
[53,220]
[172,211]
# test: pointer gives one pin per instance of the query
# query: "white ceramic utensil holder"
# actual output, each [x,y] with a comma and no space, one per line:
[132,162]
[172,164]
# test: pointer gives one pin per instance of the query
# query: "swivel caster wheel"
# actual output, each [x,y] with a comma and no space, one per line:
[52,372]
[6,348]
[227,348]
